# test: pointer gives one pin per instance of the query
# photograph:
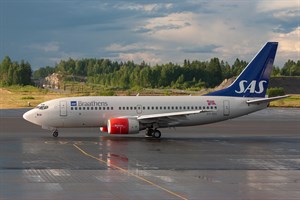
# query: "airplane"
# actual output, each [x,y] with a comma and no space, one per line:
[132,114]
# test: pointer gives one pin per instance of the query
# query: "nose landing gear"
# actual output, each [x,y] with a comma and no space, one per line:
[55,133]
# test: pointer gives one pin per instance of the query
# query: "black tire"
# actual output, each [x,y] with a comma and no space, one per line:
[156,134]
[55,134]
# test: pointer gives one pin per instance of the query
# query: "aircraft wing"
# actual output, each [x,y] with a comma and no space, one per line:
[264,100]
[168,118]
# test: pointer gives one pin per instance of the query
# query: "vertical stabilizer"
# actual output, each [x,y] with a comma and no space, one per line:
[254,79]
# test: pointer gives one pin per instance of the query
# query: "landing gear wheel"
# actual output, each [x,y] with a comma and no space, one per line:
[149,133]
[55,133]
[156,134]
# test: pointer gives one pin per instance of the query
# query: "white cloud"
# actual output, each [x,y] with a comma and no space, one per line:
[234,37]
[275,5]
[139,57]
[47,47]
[144,7]
[130,47]
[289,44]
[287,14]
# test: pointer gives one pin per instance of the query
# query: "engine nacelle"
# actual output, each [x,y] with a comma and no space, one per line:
[123,126]
[103,129]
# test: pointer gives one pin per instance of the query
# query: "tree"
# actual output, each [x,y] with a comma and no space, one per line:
[215,72]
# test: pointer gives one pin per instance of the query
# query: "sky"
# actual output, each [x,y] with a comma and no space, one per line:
[43,32]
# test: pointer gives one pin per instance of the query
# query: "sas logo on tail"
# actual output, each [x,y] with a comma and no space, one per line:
[251,87]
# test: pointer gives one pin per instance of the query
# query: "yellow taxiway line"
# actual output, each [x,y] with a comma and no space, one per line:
[130,173]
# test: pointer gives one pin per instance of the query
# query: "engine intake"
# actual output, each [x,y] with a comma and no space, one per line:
[123,126]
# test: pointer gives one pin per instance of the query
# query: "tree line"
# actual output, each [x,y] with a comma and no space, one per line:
[124,75]
[128,74]
[14,73]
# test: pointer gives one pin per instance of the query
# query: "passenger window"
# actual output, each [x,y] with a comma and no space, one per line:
[79,108]
[152,108]
[123,108]
[87,108]
[120,108]
[172,108]
[134,108]
[71,108]
[176,108]
[103,108]
[96,108]
[111,108]
[107,108]
[99,108]
[83,108]
[165,108]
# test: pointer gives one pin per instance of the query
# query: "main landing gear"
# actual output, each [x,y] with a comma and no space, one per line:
[153,133]
[55,133]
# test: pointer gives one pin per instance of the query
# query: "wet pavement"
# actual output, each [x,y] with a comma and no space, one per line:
[253,157]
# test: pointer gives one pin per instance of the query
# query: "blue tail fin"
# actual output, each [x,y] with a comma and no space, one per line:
[254,79]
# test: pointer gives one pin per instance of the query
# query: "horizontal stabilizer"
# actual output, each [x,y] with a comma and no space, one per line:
[264,100]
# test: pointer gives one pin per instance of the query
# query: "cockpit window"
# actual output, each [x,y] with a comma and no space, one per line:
[42,107]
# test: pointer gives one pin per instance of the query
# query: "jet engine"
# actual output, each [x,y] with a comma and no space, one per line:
[123,126]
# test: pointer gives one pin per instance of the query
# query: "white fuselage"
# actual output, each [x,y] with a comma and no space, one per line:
[95,111]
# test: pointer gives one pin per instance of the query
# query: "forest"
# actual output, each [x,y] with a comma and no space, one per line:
[125,75]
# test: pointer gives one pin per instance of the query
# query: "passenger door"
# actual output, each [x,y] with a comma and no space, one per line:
[63,108]
[226,108]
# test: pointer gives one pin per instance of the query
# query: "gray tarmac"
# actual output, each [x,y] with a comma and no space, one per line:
[253,157]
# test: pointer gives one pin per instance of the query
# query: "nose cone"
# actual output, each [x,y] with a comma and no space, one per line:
[30,116]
